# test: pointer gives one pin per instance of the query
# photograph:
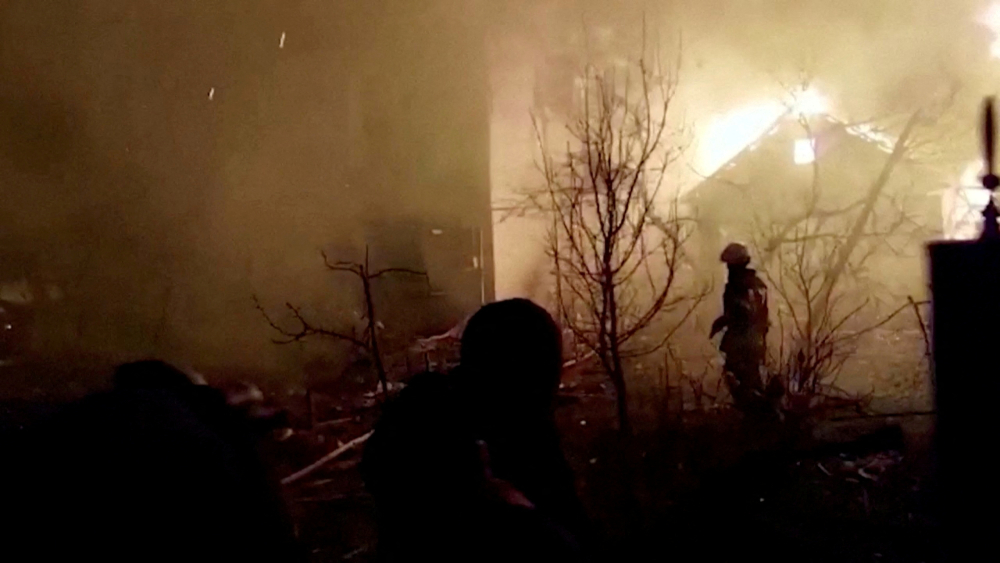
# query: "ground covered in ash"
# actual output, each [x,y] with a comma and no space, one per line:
[691,485]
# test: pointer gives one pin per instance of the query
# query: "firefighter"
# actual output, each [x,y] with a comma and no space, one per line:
[745,321]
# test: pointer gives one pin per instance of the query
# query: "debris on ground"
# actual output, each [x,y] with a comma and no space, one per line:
[870,468]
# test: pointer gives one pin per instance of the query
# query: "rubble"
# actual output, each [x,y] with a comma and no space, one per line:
[870,468]
[326,459]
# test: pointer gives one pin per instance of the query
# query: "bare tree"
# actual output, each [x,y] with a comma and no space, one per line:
[368,340]
[820,316]
[817,262]
[616,257]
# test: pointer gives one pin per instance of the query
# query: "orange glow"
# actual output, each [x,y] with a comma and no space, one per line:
[728,134]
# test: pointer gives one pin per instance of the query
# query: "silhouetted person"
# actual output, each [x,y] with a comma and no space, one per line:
[158,469]
[745,321]
[435,496]
[511,363]
[467,466]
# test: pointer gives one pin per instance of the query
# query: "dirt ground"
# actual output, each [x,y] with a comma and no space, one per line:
[698,489]
[694,485]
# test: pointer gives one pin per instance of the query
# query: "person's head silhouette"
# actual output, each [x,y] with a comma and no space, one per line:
[154,374]
[511,359]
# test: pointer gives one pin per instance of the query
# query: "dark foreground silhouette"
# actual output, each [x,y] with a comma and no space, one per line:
[467,466]
[159,468]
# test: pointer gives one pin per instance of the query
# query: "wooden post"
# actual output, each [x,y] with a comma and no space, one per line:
[373,347]
[965,279]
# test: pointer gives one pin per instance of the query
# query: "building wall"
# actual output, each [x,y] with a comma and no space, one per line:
[163,162]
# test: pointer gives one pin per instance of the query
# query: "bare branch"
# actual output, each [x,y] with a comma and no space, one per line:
[305,329]
[397,271]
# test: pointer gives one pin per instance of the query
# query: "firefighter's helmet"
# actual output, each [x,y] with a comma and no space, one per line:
[735,255]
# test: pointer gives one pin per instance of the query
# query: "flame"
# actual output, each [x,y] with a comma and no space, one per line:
[991,20]
[971,175]
[805,151]
[963,205]
[809,102]
[868,132]
[728,134]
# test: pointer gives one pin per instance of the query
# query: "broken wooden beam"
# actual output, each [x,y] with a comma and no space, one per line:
[326,459]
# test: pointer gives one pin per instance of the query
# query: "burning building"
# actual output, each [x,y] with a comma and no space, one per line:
[811,167]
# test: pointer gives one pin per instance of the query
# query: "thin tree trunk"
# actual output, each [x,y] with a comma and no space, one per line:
[558,271]
[857,230]
[617,369]
[373,336]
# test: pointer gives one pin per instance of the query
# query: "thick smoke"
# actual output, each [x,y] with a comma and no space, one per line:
[869,59]
[163,162]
